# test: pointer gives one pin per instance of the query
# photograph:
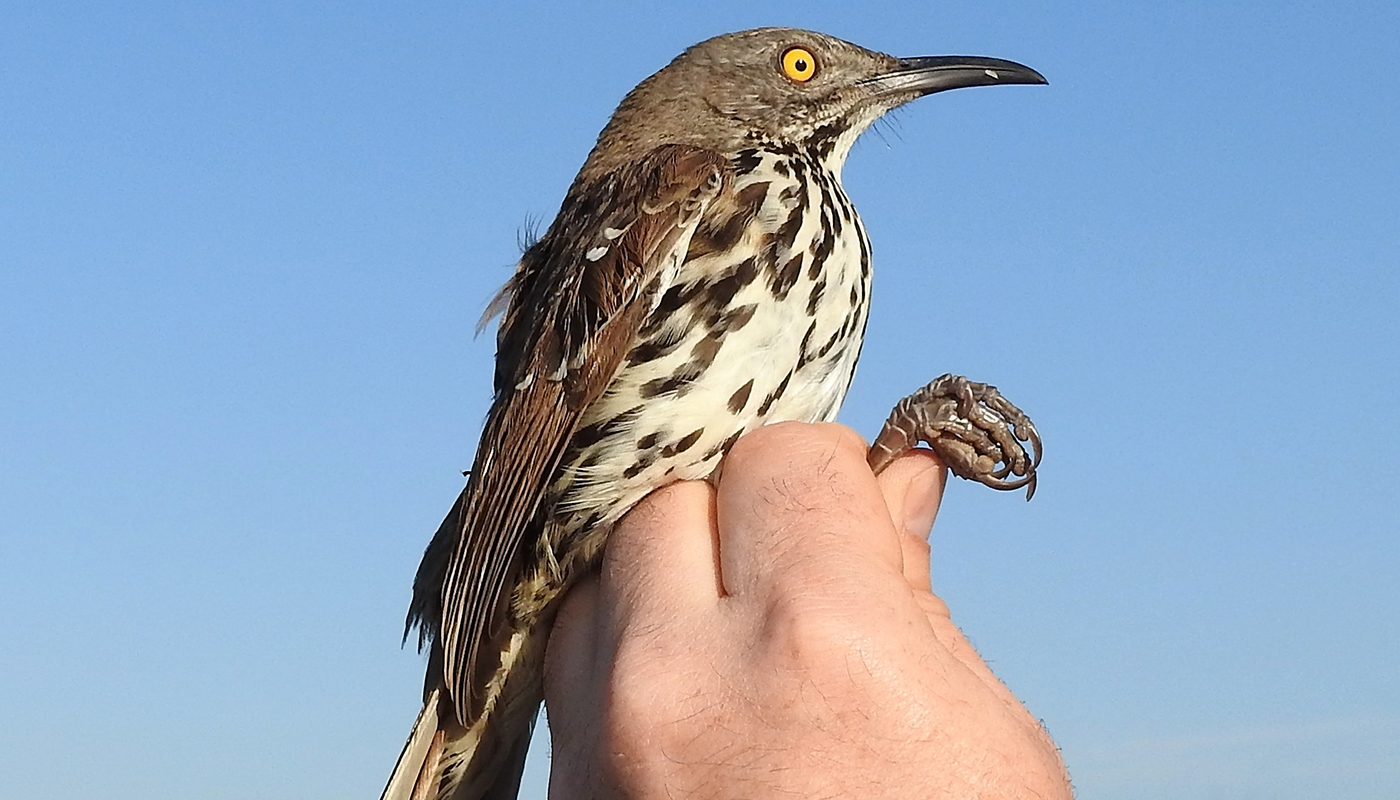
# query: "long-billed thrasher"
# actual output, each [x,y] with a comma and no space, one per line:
[706,274]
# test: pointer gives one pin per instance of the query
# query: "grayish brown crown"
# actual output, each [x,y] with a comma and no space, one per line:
[730,92]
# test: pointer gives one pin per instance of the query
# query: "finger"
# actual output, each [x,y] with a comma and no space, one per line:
[661,558]
[956,644]
[913,489]
[799,509]
[573,654]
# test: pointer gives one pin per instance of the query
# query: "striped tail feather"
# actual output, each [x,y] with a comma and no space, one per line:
[420,755]
[444,760]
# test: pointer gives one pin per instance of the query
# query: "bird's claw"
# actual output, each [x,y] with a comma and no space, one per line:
[978,433]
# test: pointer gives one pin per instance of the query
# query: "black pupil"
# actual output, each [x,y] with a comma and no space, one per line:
[800,64]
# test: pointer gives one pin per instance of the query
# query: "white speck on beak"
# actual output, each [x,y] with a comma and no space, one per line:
[991,73]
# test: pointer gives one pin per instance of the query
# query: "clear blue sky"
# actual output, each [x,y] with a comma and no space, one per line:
[242,251]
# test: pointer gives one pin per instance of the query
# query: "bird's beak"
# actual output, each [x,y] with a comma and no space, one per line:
[929,74]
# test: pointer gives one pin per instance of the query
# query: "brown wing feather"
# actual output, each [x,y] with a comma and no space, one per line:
[569,322]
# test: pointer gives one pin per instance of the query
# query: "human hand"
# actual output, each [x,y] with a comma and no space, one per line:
[779,637]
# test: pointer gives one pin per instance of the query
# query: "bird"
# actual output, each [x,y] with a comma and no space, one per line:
[706,274]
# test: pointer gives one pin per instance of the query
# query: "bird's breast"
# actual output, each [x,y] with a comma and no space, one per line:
[762,323]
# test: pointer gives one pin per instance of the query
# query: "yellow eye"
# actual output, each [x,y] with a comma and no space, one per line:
[799,64]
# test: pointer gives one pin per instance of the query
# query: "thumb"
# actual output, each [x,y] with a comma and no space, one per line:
[913,489]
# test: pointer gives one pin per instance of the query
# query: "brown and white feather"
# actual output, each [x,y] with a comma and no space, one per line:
[561,341]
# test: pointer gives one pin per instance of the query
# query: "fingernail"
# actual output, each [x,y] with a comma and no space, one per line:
[921,500]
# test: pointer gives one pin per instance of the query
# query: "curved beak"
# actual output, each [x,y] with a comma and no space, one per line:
[928,74]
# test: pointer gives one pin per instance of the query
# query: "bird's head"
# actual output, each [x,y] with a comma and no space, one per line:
[782,87]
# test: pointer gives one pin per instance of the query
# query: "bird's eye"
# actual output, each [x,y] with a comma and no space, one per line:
[799,64]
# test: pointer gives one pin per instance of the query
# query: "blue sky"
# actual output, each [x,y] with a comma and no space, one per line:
[243,248]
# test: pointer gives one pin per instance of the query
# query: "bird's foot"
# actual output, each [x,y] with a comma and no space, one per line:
[978,433]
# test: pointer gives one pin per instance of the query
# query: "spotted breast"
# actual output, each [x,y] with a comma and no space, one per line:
[777,280]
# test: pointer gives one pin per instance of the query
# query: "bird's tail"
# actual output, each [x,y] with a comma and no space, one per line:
[445,760]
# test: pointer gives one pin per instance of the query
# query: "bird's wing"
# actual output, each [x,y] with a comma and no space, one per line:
[574,307]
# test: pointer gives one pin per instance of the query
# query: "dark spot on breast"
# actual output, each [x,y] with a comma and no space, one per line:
[649,441]
[722,447]
[784,239]
[591,434]
[739,399]
[827,201]
[657,346]
[736,317]
[818,289]
[671,302]
[686,442]
[773,396]
[821,246]
[673,299]
[644,460]
[703,353]
[721,234]
[802,355]
[783,279]
[674,385]
[829,343]
[722,291]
